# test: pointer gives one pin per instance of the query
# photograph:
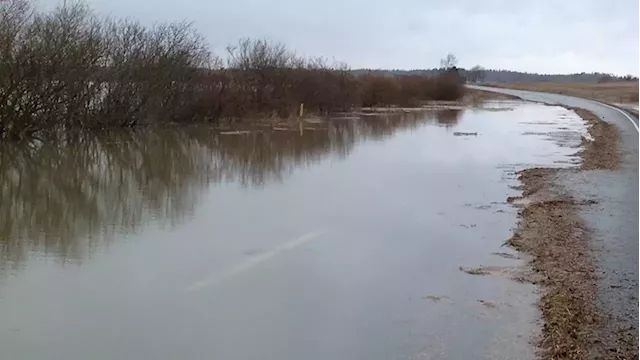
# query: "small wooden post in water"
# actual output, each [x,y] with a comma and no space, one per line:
[300,116]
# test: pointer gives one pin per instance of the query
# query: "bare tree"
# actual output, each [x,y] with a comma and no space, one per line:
[448,62]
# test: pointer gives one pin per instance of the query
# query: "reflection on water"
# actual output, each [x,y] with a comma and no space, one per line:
[90,187]
[274,239]
[64,198]
[448,117]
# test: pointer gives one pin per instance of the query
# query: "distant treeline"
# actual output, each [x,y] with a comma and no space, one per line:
[69,68]
[489,75]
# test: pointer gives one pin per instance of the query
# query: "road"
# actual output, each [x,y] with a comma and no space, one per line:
[614,221]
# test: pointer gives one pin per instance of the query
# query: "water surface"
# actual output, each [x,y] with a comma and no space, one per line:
[342,242]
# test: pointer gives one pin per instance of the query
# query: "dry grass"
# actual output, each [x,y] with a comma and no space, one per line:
[537,180]
[612,92]
[603,152]
[550,231]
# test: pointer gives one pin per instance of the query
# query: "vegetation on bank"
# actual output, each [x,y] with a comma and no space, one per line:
[70,68]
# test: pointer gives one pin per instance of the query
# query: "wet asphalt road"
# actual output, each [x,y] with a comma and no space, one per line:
[613,220]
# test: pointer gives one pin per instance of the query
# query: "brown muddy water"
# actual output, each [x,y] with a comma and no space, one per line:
[343,242]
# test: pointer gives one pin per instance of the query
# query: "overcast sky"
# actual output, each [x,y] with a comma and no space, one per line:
[545,36]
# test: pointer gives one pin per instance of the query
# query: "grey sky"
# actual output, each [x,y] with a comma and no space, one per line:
[546,36]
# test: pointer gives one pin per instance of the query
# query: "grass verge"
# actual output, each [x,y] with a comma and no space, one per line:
[602,152]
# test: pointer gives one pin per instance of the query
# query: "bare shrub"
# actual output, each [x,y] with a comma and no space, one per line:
[416,88]
[379,90]
[327,88]
[47,67]
[412,90]
[69,68]
[447,86]
[269,78]
[152,75]
[264,74]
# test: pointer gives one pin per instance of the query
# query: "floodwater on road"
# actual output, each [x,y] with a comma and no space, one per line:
[345,241]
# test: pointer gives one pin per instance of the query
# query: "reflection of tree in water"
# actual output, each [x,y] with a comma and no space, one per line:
[448,117]
[64,198]
[92,186]
[260,157]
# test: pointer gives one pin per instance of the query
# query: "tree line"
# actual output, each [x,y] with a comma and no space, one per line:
[480,74]
[70,68]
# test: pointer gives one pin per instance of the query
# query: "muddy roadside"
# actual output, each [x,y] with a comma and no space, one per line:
[551,230]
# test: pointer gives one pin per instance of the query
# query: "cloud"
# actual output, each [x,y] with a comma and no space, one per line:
[539,36]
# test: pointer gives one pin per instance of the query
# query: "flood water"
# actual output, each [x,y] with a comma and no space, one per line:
[343,242]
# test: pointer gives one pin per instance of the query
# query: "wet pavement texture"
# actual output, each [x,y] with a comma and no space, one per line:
[613,221]
[343,242]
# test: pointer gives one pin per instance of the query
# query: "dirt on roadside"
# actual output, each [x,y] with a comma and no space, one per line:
[551,231]
[602,152]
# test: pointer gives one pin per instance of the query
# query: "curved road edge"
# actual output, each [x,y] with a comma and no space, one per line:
[625,113]
[551,98]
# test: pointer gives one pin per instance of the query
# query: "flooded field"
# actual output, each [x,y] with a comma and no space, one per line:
[372,238]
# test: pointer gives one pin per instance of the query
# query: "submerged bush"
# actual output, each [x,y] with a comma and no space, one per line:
[69,68]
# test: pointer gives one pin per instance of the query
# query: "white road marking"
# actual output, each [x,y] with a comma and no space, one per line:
[252,262]
[623,113]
